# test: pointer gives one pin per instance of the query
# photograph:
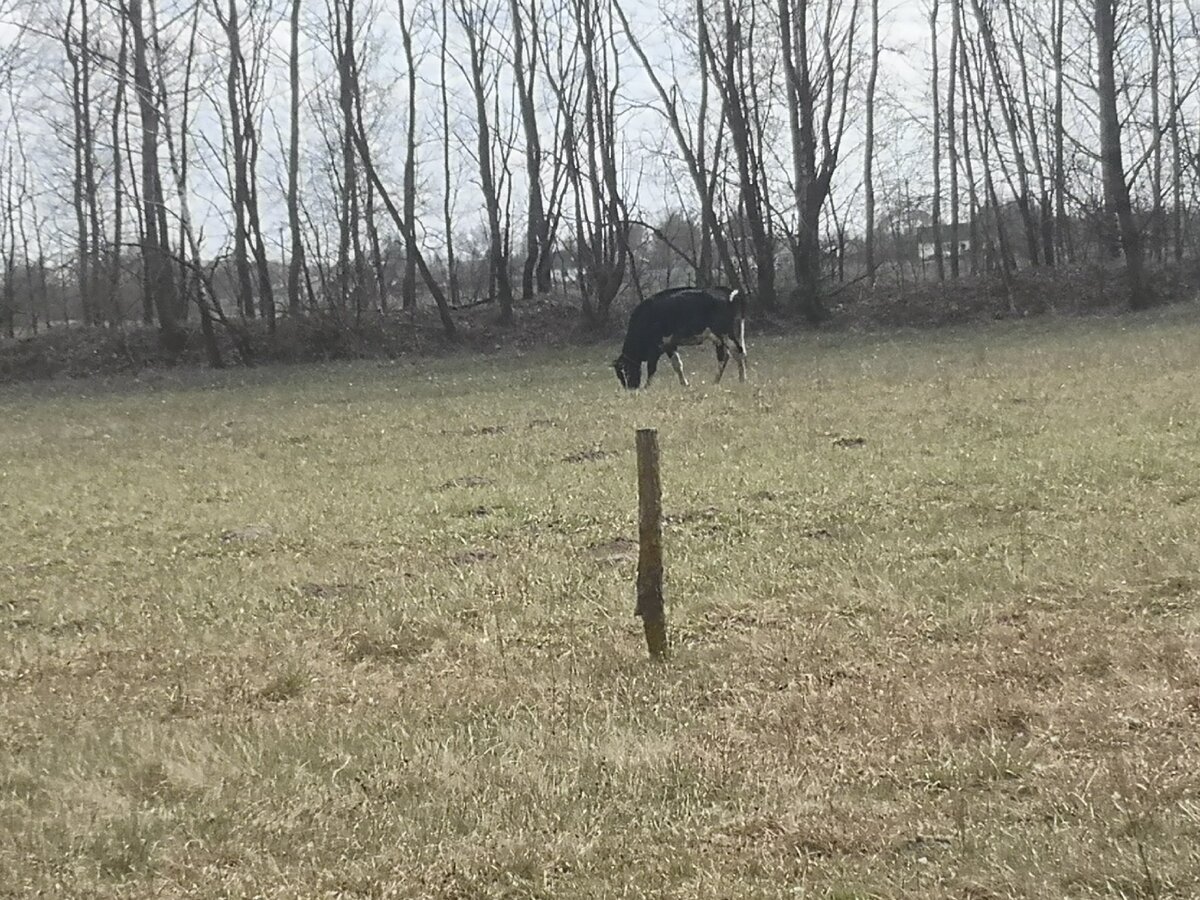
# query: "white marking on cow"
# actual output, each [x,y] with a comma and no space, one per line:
[677,363]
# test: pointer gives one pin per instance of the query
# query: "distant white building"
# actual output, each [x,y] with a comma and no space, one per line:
[927,246]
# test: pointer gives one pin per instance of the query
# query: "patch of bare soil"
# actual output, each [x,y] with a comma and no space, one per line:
[316,590]
[465,481]
[705,520]
[705,513]
[475,555]
[477,512]
[849,442]
[614,552]
[402,643]
[248,533]
[478,430]
[592,455]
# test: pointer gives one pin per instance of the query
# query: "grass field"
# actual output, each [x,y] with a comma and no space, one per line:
[367,630]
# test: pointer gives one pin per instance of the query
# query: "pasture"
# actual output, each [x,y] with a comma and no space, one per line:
[366,630]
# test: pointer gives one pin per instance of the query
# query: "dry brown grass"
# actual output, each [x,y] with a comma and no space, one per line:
[366,631]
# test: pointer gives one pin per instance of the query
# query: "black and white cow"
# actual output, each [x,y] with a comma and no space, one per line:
[678,317]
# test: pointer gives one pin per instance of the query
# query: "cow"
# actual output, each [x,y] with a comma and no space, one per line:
[679,317]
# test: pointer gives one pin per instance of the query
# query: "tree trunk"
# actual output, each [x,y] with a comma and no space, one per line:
[448,197]
[347,274]
[968,162]
[241,255]
[1045,221]
[1005,100]
[1116,190]
[473,21]
[1154,27]
[187,275]
[936,211]
[985,139]
[114,312]
[375,249]
[536,236]
[91,201]
[1060,177]
[869,148]
[77,57]
[1176,146]
[812,176]
[952,135]
[255,234]
[728,69]
[610,233]
[408,288]
[8,251]
[296,260]
[159,281]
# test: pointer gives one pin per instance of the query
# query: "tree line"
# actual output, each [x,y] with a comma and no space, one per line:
[228,160]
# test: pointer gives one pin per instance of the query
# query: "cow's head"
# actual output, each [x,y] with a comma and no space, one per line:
[629,372]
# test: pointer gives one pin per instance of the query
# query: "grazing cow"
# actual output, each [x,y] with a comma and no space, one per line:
[677,317]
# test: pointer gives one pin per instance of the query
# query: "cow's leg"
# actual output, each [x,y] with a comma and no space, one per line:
[677,364]
[739,349]
[739,356]
[722,359]
[651,368]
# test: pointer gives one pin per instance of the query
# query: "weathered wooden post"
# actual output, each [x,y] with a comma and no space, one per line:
[650,564]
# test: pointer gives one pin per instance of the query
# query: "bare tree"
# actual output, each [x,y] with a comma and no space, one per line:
[733,73]
[1005,100]
[408,289]
[159,280]
[587,78]
[121,74]
[78,50]
[478,24]
[935,93]
[869,146]
[1116,189]
[535,273]
[25,211]
[692,147]
[973,77]
[1059,177]
[1018,27]
[448,196]
[242,96]
[8,248]
[1176,142]
[296,258]
[405,227]
[1154,31]
[349,268]
[818,89]
[967,160]
[952,134]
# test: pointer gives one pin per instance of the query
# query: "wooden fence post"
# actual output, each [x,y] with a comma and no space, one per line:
[650,564]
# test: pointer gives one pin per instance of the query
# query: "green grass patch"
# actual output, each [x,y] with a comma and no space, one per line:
[366,630]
